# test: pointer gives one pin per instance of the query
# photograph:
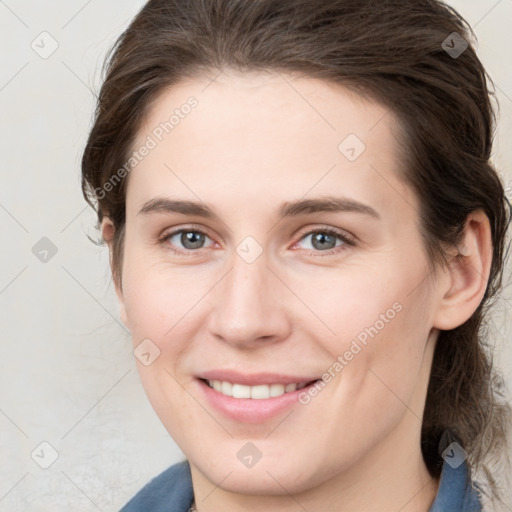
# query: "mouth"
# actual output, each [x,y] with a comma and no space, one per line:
[256,404]
[258,392]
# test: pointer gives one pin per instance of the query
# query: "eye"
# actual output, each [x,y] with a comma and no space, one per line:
[190,240]
[324,240]
[327,240]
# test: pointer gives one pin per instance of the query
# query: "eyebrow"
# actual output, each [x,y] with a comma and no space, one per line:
[288,209]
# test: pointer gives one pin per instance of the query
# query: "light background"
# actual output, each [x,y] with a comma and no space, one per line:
[67,374]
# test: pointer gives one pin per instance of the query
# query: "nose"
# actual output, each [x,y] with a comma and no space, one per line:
[250,306]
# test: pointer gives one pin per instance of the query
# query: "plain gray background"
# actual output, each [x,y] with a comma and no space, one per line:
[67,374]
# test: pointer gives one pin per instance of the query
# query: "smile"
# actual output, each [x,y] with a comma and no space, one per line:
[260,392]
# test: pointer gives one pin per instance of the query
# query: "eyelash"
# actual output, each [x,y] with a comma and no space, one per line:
[347,241]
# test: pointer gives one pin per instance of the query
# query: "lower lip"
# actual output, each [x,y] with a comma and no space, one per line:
[251,410]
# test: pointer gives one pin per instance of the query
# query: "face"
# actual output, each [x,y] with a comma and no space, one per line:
[270,241]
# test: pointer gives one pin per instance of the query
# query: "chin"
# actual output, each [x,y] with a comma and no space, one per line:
[274,476]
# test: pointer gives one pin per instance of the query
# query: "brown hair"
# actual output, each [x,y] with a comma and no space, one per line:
[393,51]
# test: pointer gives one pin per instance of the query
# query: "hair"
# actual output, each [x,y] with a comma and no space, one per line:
[392,52]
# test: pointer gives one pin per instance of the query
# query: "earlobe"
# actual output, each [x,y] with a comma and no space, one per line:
[467,274]
[107,232]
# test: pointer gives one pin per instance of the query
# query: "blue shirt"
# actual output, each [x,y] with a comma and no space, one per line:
[171,491]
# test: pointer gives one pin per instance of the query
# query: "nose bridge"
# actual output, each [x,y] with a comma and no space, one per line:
[246,304]
[245,286]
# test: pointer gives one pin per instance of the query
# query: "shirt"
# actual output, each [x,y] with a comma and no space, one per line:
[171,491]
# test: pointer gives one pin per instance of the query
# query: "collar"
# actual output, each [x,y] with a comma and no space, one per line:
[456,494]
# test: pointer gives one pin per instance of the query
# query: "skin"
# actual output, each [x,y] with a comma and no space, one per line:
[254,142]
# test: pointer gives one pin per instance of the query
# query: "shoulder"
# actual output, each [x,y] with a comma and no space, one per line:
[170,491]
[456,492]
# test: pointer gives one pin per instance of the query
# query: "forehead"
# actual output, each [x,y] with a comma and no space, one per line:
[251,104]
[267,133]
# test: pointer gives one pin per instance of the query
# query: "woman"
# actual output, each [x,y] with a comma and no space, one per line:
[305,230]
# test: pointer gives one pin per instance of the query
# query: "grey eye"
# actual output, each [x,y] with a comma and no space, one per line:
[323,240]
[189,239]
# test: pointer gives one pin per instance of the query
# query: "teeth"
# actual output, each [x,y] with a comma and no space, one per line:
[276,389]
[241,391]
[290,387]
[257,392]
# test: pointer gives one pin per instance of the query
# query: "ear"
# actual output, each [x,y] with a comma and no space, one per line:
[465,280]
[107,233]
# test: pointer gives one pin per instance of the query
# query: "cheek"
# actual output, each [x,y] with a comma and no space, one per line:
[365,305]
[381,328]
[377,375]
[383,381]
[156,302]
[162,311]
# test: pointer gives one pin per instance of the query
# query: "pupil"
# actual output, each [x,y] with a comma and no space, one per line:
[321,238]
[192,240]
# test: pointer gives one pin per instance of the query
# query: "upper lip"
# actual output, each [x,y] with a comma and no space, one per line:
[254,379]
